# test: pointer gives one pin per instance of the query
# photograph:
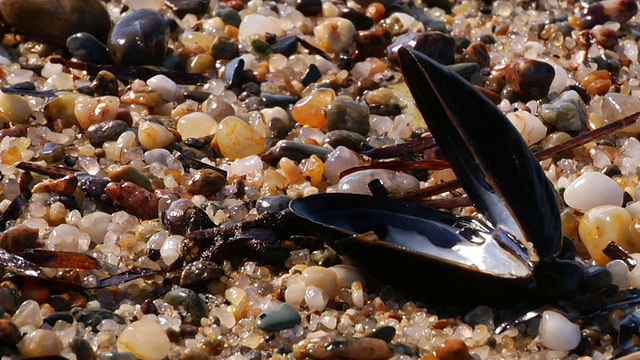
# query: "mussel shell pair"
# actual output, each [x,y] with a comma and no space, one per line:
[496,169]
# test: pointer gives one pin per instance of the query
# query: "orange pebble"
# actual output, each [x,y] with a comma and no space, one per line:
[376,11]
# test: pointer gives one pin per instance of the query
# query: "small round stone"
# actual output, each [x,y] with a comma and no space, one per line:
[528,125]
[14,109]
[284,317]
[165,86]
[40,342]
[145,339]
[102,132]
[310,109]
[593,189]
[606,223]
[346,114]
[28,314]
[335,34]
[196,125]
[557,332]
[206,182]
[195,307]
[237,139]
[323,278]
[153,135]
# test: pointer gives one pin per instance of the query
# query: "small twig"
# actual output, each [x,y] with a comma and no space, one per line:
[400,166]
[448,203]
[615,252]
[430,191]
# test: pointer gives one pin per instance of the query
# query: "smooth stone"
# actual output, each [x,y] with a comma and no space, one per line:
[557,332]
[394,182]
[350,115]
[193,304]
[295,151]
[347,275]
[206,182]
[165,86]
[63,18]
[52,153]
[14,109]
[85,47]
[272,204]
[65,316]
[224,49]
[277,100]
[105,131]
[93,317]
[184,7]
[312,75]
[453,349]
[10,298]
[334,34]
[606,223]
[196,125]
[608,10]
[593,189]
[284,317]
[253,24]
[233,73]
[228,15]
[196,95]
[286,45]
[617,106]
[359,20]
[146,339]
[279,127]
[82,349]
[530,79]
[9,333]
[123,355]
[152,135]
[28,314]
[386,333]
[438,46]
[339,160]
[19,238]
[595,278]
[323,278]
[363,348]
[476,53]
[348,139]
[139,38]
[528,125]
[237,139]
[567,112]
[309,7]
[183,216]
[40,342]
[199,272]
[129,173]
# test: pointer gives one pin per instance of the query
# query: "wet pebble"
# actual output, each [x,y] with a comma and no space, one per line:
[530,79]
[593,189]
[85,47]
[105,83]
[70,17]
[196,125]
[165,86]
[199,272]
[477,53]
[9,333]
[237,139]
[335,34]
[309,7]
[52,153]
[65,316]
[350,115]
[28,314]
[277,100]
[359,19]
[187,299]
[283,317]
[123,355]
[339,160]
[17,239]
[347,275]
[139,38]
[348,139]
[272,204]
[228,15]
[557,332]
[286,45]
[10,298]
[567,113]
[129,173]
[224,49]
[453,349]
[183,216]
[394,182]
[105,131]
[145,339]
[206,182]
[608,10]
[14,109]
[136,200]
[40,342]
[184,7]
[606,223]
[93,317]
[153,135]
[322,278]
[438,46]
[528,125]
[93,110]
[310,109]
[312,75]
[335,347]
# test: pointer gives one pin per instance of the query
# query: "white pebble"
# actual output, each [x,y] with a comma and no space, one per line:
[28,314]
[315,298]
[394,182]
[335,34]
[294,294]
[145,339]
[337,161]
[620,273]
[40,342]
[153,135]
[49,69]
[347,274]
[196,125]
[528,125]
[258,24]
[96,225]
[165,86]
[66,237]
[557,332]
[593,189]
[170,250]
[144,4]
[323,278]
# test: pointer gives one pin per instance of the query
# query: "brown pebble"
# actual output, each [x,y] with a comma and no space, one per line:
[453,349]
[77,300]
[530,79]
[65,186]
[145,97]
[608,10]
[148,307]
[206,182]
[477,52]
[375,11]
[373,42]
[17,239]
[188,330]
[9,333]
[333,347]
[136,200]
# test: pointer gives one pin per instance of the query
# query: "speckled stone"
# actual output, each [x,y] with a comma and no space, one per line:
[194,306]
[350,115]
[102,132]
[284,317]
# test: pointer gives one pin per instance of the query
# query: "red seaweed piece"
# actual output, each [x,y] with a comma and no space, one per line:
[133,72]
[60,259]
[135,199]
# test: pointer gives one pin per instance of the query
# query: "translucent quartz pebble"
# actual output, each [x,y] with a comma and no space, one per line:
[196,125]
[593,189]
[528,125]
[258,24]
[315,298]
[323,278]
[607,223]
[165,86]
[153,135]
[66,237]
[394,182]
[347,274]
[90,110]
[617,106]
[14,109]
[158,156]
[40,342]
[170,250]
[620,274]
[339,160]
[28,314]
[335,34]
[557,332]
[310,109]
[96,225]
[237,139]
[145,339]
[144,4]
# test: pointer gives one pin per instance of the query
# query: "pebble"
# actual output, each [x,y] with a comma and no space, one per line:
[557,332]
[40,342]
[198,272]
[123,355]
[10,299]
[254,24]
[335,34]
[310,109]
[129,173]
[359,20]
[593,189]
[272,204]
[188,300]
[206,182]
[184,7]
[337,161]
[165,86]
[608,10]
[9,333]
[28,314]
[312,75]
[453,349]
[196,125]
[336,347]
[82,349]
[605,223]
[394,182]
[89,110]
[568,112]
[271,100]
[346,114]
[309,7]
[17,239]
[139,38]
[52,153]
[476,53]
[183,216]
[237,139]
[286,45]
[217,108]
[105,83]
[105,131]
[323,278]
[145,339]
[530,79]
[528,125]
[224,49]
[85,47]
[228,15]
[438,46]
[135,199]
[14,109]
[347,275]
[153,135]
[348,139]
[284,317]
[28,16]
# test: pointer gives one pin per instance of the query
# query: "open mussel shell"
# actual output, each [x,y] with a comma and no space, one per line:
[430,253]
[488,155]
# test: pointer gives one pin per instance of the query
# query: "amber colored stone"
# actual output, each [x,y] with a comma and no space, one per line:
[453,349]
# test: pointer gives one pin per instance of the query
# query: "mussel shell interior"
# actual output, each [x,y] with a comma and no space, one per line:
[417,231]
